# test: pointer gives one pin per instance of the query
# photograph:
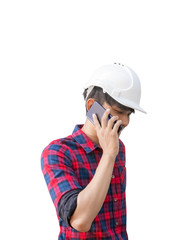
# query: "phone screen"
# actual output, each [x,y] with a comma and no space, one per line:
[99,110]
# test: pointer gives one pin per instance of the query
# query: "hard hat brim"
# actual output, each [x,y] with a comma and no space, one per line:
[130,104]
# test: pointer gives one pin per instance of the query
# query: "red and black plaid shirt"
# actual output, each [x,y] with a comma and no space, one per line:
[70,163]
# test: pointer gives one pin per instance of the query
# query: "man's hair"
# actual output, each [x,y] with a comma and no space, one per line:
[101,97]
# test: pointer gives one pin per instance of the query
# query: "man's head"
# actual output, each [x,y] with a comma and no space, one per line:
[116,87]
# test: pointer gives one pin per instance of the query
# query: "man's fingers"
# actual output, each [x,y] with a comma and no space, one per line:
[96,122]
[105,118]
[117,125]
[112,122]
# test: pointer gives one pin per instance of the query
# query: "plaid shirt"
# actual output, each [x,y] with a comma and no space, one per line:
[70,163]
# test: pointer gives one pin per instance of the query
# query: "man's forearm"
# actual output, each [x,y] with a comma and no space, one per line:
[90,200]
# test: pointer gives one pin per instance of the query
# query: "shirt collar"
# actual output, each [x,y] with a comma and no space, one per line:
[84,141]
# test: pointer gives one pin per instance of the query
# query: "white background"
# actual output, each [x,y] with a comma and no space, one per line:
[48,50]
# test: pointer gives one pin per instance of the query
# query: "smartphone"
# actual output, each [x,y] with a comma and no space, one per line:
[99,111]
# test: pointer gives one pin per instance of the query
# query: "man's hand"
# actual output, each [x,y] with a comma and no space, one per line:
[107,134]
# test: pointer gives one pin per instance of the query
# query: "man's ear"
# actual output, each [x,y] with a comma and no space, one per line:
[89,103]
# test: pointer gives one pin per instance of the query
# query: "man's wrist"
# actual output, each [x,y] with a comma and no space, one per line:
[109,156]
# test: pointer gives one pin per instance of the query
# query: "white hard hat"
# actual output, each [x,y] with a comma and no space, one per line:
[120,82]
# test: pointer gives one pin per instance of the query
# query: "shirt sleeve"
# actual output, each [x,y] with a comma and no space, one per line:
[60,177]
[67,205]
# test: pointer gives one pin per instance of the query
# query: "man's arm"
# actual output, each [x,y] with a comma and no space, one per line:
[91,199]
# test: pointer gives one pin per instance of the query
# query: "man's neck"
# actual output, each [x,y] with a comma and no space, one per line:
[89,130]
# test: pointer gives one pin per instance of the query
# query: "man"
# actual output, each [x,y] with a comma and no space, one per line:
[85,172]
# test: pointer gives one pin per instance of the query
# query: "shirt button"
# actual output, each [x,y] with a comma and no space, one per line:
[113,176]
[117,223]
[115,199]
